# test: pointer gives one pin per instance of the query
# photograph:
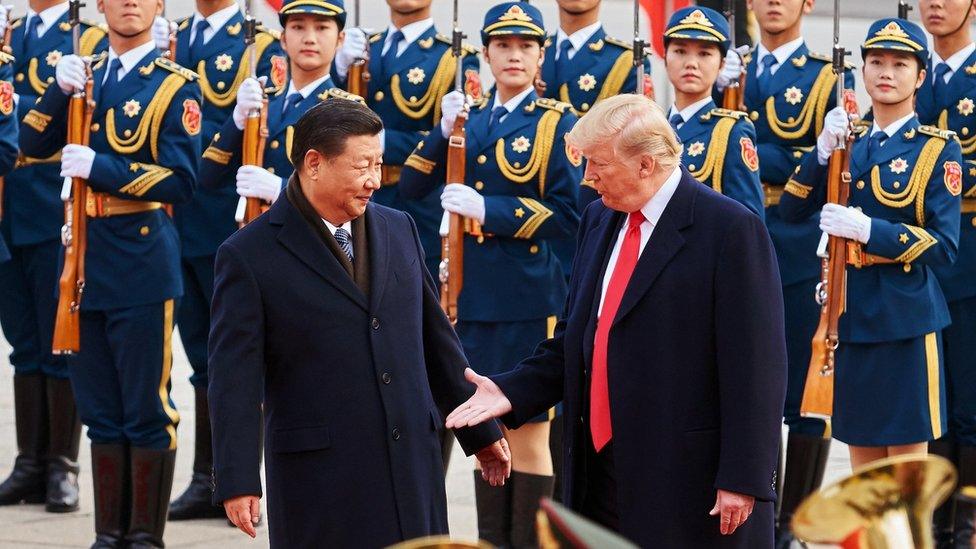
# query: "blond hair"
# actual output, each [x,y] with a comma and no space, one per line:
[633,124]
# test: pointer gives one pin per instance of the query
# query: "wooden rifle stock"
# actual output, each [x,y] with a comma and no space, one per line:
[732,97]
[452,246]
[255,136]
[71,285]
[359,76]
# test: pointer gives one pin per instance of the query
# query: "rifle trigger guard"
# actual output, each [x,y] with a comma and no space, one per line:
[820,294]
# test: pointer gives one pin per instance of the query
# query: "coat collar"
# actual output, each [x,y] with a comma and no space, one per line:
[522,116]
[124,89]
[901,144]
[412,55]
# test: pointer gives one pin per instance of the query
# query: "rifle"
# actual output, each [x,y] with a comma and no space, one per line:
[255,128]
[732,96]
[451,268]
[74,193]
[359,71]
[903,8]
[644,86]
[831,292]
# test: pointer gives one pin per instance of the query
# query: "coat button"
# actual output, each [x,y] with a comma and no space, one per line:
[396,433]
[378,96]
[387,378]
[375,323]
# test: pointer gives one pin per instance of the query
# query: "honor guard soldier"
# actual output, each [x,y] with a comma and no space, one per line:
[947,100]
[211,42]
[902,221]
[48,429]
[143,151]
[311,32]
[519,191]
[719,144]
[788,91]
[411,68]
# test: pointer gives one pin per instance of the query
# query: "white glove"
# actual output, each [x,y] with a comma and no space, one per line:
[250,96]
[70,73]
[836,220]
[353,47]
[463,200]
[5,17]
[76,161]
[451,105]
[255,182]
[160,33]
[833,135]
[733,67]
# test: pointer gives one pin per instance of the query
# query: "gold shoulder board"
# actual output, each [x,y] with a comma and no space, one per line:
[552,104]
[339,93]
[827,59]
[375,37]
[619,43]
[6,58]
[726,113]
[274,34]
[468,48]
[177,69]
[936,132]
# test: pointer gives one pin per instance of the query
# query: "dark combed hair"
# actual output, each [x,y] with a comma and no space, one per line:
[327,126]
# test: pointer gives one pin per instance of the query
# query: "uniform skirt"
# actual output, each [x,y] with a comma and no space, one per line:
[890,393]
[496,347]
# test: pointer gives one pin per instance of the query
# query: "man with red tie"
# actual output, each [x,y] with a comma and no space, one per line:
[670,357]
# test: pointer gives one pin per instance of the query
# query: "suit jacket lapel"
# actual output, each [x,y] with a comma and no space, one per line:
[379,251]
[897,145]
[124,89]
[300,239]
[218,42]
[788,73]
[52,37]
[411,55]
[694,126]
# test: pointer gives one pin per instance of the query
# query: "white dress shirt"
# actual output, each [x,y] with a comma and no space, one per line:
[781,54]
[892,128]
[689,111]
[129,59]
[652,214]
[308,88]
[512,103]
[953,62]
[578,39]
[48,17]
[216,20]
[333,228]
[411,32]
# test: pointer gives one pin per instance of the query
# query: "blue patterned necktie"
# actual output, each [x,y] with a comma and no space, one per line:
[290,101]
[496,116]
[391,53]
[940,85]
[676,120]
[767,74]
[563,63]
[111,77]
[198,41]
[31,32]
[344,239]
[875,142]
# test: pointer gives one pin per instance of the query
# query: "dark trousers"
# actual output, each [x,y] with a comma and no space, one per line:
[28,303]
[801,314]
[121,377]
[600,496]
[193,316]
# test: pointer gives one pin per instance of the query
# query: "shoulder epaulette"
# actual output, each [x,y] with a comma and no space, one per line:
[16,22]
[6,58]
[861,127]
[937,132]
[552,104]
[549,40]
[98,58]
[826,59]
[375,37]
[92,23]
[619,43]
[339,93]
[471,50]
[184,23]
[726,113]
[175,68]
[274,34]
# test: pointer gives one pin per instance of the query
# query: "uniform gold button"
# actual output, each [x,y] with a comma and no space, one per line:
[127,133]
[965,130]
[860,184]
[797,154]
[144,230]
[378,96]
[481,240]
[19,77]
[50,79]
[533,249]
[95,127]
[221,85]
[691,167]
[274,144]
[585,107]
[754,115]
[413,98]
[791,120]
[517,165]
[896,185]
[907,268]
[216,137]
[271,169]
[479,185]
[482,159]
[974,221]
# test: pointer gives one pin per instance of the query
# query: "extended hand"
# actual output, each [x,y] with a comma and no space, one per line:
[836,220]
[463,200]
[496,462]
[733,510]
[487,402]
[244,512]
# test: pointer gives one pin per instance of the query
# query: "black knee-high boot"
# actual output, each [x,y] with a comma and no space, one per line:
[942,519]
[806,459]
[63,442]
[151,478]
[110,478]
[494,505]
[527,490]
[27,480]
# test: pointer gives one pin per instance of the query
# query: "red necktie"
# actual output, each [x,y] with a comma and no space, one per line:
[600,427]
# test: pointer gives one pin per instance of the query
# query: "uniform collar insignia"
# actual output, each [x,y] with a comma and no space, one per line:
[910,134]
[426,43]
[598,45]
[64,26]
[234,29]
[798,62]
[147,70]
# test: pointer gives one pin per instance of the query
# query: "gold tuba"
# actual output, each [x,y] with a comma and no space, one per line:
[884,505]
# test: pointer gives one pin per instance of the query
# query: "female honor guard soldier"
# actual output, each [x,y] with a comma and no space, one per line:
[946,100]
[521,187]
[143,153]
[719,144]
[48,430]
[311,32]
[904,213]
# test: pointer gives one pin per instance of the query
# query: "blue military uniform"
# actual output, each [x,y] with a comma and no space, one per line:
[222,62]
[407,96]
[8,129]
[950,105]
[518,161]
[719,144]
[31,226]
[145,133]
[889,380]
